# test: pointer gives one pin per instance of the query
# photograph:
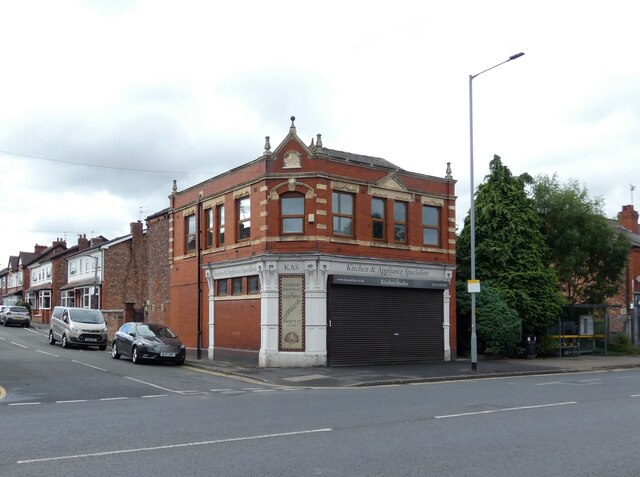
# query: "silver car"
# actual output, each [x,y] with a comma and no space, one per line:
[18,315]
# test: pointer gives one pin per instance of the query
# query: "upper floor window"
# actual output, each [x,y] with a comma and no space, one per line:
[292,214]
[190,233]
[377,218]
[73,268]
[220,222]
[244,218]
[400,222]
[342,208]
[430,225]
[209,227]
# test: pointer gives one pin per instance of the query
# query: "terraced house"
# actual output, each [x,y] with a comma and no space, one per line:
[310,256]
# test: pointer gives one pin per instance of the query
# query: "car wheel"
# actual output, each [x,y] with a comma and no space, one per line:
[64,342]
[114,351]
[27,325]
[4,322]
[180,362]
[102,348]
[134,356]
[52,340]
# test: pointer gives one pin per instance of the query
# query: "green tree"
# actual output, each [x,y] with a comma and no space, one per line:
[499,328]
[511,252]
[587,253]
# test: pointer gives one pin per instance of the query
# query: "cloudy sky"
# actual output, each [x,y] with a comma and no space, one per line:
[104,103]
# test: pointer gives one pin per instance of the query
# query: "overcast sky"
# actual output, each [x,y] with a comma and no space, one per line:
[104,103]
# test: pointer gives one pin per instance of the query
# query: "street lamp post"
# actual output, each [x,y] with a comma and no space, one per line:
[474,285]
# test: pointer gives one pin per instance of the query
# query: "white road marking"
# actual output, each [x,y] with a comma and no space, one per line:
[547,384]
[220,390]
[113,399]
[152,385]
[174,446]
[31,330]
[24,403]
[50,354]
[21,345]
[521,408]
[155,395]
[1,338]
[71,401]
[88,365]
[635,395]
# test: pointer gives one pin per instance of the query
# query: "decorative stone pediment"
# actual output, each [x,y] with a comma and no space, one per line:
[391,182]
[391,188]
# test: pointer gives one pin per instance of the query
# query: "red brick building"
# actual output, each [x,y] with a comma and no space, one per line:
[157,303]
[629,291]
[308,256]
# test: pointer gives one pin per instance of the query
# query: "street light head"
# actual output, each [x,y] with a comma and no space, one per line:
[516,56]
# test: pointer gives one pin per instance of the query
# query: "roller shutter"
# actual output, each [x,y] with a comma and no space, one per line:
[383,325]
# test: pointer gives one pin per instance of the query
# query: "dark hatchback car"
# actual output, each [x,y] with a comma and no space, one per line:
[147,341]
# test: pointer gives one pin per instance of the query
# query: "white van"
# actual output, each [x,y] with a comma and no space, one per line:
[77,327]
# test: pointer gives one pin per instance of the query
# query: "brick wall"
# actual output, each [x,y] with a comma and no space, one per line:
[124,277]
[158,267]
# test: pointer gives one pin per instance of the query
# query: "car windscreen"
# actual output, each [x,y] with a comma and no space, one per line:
[155,331]
[19,309]
[87,316]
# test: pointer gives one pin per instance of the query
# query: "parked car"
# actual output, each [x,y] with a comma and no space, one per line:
[147,341]
[77,327]
[15,315]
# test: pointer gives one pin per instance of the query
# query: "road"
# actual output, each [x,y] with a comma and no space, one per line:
[79,412]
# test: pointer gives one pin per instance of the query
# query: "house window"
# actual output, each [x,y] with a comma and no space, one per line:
[45,300]
[31,299]
[377,218]
[89,297]
[400,222]
[67,298]
[244,218]
[220,221]
[253,283]
[222,287]
[342,208]
[190,229]
[73,268]
[209,227]
[292,213]
[236,285]
[430,225]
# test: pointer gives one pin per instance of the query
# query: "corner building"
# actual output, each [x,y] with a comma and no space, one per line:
[309,256]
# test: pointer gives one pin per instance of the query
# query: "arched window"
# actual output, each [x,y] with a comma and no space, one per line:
[292,213]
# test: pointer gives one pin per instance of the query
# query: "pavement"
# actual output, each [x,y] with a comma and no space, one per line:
[353,376]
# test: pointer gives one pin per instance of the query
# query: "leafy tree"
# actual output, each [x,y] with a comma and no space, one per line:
[587,254]
[498,326]
[511,252]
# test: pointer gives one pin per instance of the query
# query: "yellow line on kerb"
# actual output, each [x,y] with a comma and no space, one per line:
[3,393]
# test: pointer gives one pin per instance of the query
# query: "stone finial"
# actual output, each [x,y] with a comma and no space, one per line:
[267,146]
[174,189]
[448,176]
[318,140]
[293,124]
[312,145]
